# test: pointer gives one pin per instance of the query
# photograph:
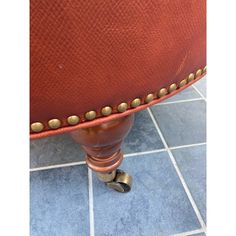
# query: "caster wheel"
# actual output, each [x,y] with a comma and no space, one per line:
[122,182]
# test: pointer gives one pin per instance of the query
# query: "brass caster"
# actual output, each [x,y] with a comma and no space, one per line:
[121,183]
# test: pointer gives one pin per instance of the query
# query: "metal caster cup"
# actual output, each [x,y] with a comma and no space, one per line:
[117,180]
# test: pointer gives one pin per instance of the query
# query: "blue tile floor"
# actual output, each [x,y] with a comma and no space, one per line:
[165,153]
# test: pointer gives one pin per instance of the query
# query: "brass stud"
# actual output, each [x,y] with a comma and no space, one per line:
[122,107]
[37,126]
[199,72]
[90,115]
[106,111]
[54,123]
[149,98]
[183,82]
[172,88]
[205,69]
[191,77]
[136,102]
[73,120]
[162,92]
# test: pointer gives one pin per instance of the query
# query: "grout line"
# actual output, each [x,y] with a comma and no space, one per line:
[157,128]
[58,166]
[143,153]
[197,212]
[198,91]
[188,233]
[180,101]
[188,145]
[125,156]
[91,212]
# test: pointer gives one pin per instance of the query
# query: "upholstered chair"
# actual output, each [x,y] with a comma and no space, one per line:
[95,63]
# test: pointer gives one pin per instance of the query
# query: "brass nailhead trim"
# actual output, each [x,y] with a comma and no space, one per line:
[136,102]
[106,111]
[90,115]
[73,120]
[172,88]
[199,72]
[37,126]
[122,107]
[162,92]
[191,77]
[183,82]
[54,123]
[149,98]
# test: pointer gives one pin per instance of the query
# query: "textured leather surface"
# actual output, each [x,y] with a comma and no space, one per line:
[89,54]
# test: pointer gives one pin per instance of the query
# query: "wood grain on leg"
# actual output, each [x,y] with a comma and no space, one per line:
[102,143]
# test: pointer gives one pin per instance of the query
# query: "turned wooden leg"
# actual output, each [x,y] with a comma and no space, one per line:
[102,144]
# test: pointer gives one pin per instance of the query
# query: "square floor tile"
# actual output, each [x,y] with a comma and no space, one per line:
[192,164]
[59,202]
[143,136]
[189,93]
[54,150]
[182,123]
[156,205]
[201,86]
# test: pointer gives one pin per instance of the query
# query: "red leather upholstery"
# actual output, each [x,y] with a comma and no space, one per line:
[89,54]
